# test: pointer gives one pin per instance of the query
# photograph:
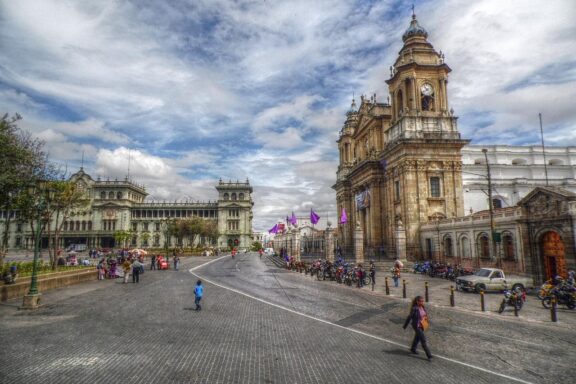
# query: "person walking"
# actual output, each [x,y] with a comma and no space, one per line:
[126,266]
[372,273]
[418,317]
[396,275]
[176,262]
[136,267]
[153,262]
[198,293]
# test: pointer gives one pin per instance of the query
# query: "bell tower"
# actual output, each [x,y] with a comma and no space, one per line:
[422,149]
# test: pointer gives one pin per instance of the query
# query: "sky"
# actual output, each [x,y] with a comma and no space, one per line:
[178,94]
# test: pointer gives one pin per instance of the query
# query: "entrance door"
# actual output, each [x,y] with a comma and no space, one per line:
[553,255]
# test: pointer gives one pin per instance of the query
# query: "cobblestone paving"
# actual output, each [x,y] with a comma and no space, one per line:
[108,332]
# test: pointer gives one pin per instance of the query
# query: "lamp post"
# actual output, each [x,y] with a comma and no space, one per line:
[32,299]
[491,209]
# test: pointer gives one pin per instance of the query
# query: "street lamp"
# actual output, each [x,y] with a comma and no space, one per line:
[493,234]
[32,299]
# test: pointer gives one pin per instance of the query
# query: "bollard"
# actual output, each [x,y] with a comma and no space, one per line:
[553,315]
[387,286]
[482,304]
[426,291]
[404,288]
[452,296]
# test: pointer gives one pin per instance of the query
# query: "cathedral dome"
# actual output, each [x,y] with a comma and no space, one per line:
[414,30]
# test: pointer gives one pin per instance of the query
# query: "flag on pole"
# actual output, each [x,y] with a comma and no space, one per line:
[314,218]
[343,217]
[293,219]
[274,229]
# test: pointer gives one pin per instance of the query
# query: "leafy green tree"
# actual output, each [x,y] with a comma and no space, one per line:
[22,161]
[256,246]
[121,237]
[210,230]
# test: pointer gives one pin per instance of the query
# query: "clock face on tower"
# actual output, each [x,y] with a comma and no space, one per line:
[427,89]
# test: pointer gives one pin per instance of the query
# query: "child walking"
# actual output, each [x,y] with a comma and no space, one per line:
[198,292]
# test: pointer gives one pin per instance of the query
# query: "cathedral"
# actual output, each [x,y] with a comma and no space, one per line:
[411,187]
[401,162]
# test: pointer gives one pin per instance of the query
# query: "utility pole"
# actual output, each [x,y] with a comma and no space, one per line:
[491,208]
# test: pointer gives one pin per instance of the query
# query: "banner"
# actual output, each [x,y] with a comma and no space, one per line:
[363,200]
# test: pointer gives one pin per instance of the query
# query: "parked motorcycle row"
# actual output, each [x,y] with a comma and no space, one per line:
[342,273]
[450,272]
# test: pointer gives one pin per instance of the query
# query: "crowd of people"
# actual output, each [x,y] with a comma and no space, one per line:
[127,263]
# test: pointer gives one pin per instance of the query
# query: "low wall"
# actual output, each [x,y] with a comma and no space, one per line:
[46,282]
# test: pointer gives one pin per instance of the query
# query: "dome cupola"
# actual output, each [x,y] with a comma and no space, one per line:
[414,30]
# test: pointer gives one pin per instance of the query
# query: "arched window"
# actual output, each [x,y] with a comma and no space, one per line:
[119,195]
[479,161]
[83,225]
[399,102]
[496,203]
[448,251]
[233,196]
[483,246]
[78,225]
[435,187]
[241,197]
[555,162]
[110,195]
[103,195]
[508,246]
[427,103]
[465,247]
[226,196]
[90,225]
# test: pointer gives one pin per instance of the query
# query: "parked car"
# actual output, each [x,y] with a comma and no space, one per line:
[492,279]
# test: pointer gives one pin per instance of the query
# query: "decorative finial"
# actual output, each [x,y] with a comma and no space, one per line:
[413,13]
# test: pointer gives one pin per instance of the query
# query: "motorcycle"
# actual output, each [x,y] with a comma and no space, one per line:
[514,298]
[545,289]
[564,296]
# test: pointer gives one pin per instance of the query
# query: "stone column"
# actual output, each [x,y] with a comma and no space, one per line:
[400,242]
[295,244]
[359,244]
[329,244]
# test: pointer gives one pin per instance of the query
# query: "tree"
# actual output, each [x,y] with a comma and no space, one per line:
[256,246]
[66,199]
[22,161]
[121,236]
[210,230]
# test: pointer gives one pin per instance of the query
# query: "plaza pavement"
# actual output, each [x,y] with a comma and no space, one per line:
[108,332]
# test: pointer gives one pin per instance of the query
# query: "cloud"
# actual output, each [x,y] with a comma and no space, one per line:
[193,91]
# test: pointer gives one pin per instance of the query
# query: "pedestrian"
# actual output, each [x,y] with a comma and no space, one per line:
[198,293]
[176,262]
[153,262]
[126,266]
[396,275]
[372,272]
[418,317]
[136,267]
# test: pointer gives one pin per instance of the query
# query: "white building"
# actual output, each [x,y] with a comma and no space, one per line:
[515,172]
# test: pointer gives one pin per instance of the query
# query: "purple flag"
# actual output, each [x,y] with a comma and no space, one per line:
[293,220]
[343,217]
[314,218]
[274,229]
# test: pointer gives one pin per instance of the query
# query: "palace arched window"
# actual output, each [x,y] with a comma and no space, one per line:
[497,203]
[226,197]
[465,247]
[448,251]
[233,196]
[103,195]
[110,195]
[508,246]
[484,246]
[435,187]
[241,196]
[119,195]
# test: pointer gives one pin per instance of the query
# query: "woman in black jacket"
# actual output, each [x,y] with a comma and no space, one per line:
[419,319]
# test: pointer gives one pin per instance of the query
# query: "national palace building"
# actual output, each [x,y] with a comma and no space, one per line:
[121,205]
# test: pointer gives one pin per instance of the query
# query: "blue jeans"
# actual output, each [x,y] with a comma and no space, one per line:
[197,302]
[419,337]
[396,280]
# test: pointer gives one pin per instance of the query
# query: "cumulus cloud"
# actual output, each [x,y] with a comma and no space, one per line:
[191,91]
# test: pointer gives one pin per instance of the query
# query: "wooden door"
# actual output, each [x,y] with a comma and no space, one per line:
[553,255]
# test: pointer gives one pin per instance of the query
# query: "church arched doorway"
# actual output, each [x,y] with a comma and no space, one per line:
[553,254]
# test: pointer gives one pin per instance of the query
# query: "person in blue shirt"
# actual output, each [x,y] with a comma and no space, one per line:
[198,292]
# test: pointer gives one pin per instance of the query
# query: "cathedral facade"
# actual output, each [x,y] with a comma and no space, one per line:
[400,161]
